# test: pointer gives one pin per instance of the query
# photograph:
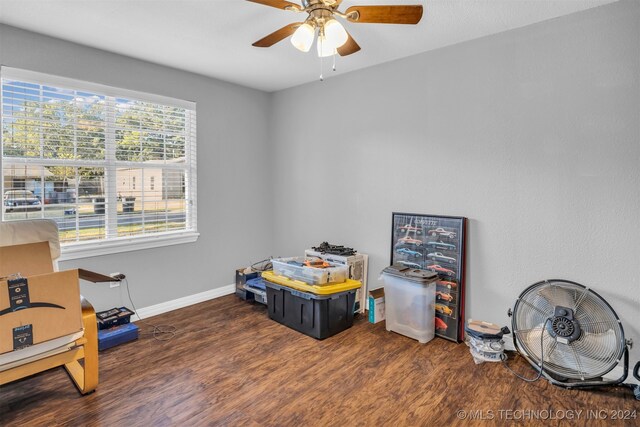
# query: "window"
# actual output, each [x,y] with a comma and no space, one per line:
[73,152]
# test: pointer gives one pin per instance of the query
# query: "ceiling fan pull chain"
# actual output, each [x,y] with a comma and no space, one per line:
[334,60]
[321,76]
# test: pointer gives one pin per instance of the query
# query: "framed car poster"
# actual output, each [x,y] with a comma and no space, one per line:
[436,243]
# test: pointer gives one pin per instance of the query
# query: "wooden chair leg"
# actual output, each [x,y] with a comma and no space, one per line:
[86,376]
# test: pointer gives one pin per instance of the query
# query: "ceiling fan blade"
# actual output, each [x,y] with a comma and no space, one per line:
[349,47]
[277,35]
[278,4]
[385,14]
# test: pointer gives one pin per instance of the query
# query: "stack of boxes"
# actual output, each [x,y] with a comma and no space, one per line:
[312,296]
[114,327]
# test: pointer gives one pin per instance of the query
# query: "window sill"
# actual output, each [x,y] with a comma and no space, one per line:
[124,244]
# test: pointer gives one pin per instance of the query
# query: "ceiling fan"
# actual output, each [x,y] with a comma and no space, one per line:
[332,37]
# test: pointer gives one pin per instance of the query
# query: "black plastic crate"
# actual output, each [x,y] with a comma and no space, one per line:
[319,316]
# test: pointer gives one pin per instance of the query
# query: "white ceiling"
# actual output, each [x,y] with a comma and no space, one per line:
[213,37]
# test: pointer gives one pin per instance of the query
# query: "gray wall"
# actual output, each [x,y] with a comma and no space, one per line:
[233,178]
[533,134]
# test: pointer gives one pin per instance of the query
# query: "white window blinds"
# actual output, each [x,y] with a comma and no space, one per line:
[106,164]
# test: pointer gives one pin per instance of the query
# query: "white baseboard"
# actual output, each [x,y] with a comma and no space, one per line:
[164,307]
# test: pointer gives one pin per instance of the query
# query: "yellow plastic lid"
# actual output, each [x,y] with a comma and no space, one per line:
[314,289]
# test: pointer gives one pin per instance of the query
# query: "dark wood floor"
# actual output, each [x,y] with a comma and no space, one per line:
[231,365]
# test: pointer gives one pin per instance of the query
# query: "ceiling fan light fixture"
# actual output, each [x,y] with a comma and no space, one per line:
[324,47]
[335,33]
[332,37]
[302,38]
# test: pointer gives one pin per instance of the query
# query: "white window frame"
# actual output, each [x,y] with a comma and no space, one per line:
[111,245]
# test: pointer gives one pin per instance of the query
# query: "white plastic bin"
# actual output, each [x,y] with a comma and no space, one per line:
[410,297]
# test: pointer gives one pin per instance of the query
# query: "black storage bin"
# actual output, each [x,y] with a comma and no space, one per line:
[318,316]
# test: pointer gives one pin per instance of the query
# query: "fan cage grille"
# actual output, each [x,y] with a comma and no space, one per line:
[593,354]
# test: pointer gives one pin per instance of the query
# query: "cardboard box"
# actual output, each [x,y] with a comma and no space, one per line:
[48,307]
[376,305]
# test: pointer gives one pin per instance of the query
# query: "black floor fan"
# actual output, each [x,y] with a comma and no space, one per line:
[570,335]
